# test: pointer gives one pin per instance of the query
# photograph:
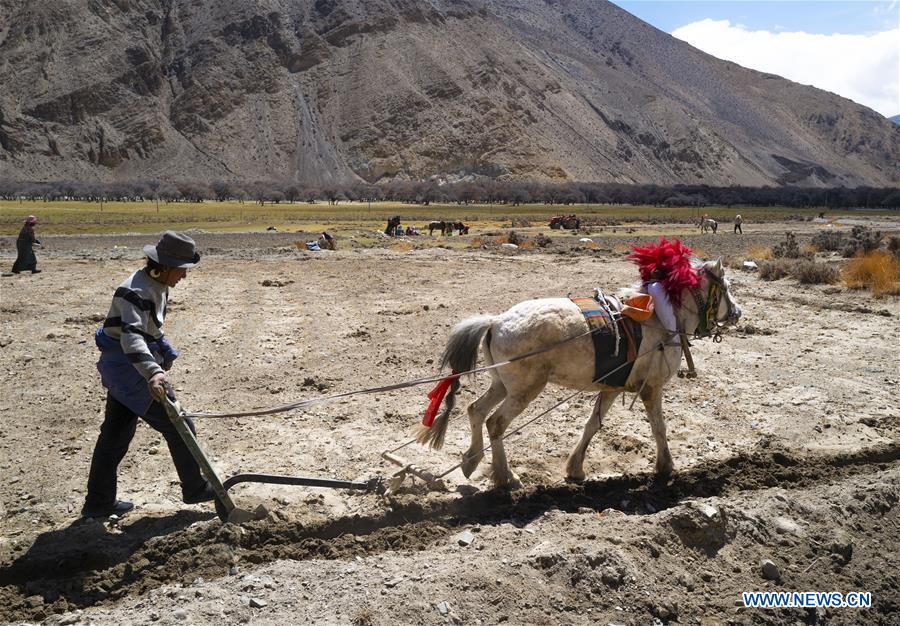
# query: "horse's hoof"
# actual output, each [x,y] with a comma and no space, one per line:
[469,465]
[576,480]
[665,473]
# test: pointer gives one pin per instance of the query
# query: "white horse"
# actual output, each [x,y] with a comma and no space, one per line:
[709,224]
[535,324]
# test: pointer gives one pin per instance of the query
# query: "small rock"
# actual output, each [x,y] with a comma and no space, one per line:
[393,582]
[153,451]
[443,608]
[70,618]
[749,265]
[179,614]
[234,570]
[258,603]
[34,601]
[770,571]
[465,538]
[785,526]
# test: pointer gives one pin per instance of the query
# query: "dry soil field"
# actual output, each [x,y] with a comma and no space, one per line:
[786,448]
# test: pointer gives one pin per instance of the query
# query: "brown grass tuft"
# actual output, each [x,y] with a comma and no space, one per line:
[621,248]
[760,253]
[476,242]
[401,246]
[876,270]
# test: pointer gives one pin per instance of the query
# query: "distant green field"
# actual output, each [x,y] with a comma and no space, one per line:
[145,217]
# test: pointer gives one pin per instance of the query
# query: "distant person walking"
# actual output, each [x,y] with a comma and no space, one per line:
[25,259]
[738,220]
[134,359]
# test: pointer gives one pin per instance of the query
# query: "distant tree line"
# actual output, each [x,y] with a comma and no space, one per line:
[468,192]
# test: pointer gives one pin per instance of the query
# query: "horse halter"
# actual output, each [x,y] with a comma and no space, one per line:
[710,324]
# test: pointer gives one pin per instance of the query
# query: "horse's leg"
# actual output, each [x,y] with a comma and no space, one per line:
[497,424]
[652,398]
[478,411]
[575,462]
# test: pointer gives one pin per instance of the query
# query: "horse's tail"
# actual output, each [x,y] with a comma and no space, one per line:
[461,354]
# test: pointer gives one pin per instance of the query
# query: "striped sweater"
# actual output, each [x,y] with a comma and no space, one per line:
[135,319]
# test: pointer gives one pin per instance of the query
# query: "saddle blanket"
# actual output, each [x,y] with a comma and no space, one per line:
[606,357]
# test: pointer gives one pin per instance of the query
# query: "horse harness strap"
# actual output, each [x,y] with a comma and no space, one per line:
[616,339]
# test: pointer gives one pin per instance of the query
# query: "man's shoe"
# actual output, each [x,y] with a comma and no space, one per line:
[119,507]
[36,271]
[204,495]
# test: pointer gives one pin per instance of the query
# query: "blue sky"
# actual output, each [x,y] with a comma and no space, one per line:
[851,48]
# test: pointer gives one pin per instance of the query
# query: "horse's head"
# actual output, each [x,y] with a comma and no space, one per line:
[710,305]
[715,304]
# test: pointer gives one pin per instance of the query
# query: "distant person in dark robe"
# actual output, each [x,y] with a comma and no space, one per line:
[26,260]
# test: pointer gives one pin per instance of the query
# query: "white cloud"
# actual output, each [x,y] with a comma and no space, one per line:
[863,68]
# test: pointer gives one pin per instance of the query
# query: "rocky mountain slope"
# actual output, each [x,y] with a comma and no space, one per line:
[322,91]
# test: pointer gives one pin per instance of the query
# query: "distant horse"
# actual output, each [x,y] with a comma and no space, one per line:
[707,224]
[447,227]
[535,324]
[392,224]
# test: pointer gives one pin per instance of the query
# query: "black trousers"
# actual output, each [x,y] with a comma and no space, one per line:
[116,434]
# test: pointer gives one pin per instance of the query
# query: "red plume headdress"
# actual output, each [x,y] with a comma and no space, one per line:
[668,262]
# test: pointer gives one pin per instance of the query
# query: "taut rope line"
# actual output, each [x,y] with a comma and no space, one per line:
[283,408]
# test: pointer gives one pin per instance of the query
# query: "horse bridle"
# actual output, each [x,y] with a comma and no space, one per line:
[717,290]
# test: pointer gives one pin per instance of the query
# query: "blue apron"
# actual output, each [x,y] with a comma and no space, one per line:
[121,378]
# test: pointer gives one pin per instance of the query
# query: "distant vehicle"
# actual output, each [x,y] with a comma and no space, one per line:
[565,221]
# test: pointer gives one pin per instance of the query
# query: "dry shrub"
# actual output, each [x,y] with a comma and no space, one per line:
[476,242]
[862,240]
[700,253]
[809,249]
[760,253]
[828,240]
[789,248]
[621,248]
[513,237]
[401,246]
[542,241]
[808,272]
[527,244]
[893,245]
[590,245]
[775,269]
[876,270]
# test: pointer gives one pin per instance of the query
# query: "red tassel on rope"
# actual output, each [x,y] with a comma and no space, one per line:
[436,396]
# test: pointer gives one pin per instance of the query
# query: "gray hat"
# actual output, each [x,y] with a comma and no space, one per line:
[174,250]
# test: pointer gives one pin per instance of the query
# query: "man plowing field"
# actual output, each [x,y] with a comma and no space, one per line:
[134,359]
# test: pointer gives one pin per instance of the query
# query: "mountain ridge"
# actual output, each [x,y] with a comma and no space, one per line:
[337,91]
